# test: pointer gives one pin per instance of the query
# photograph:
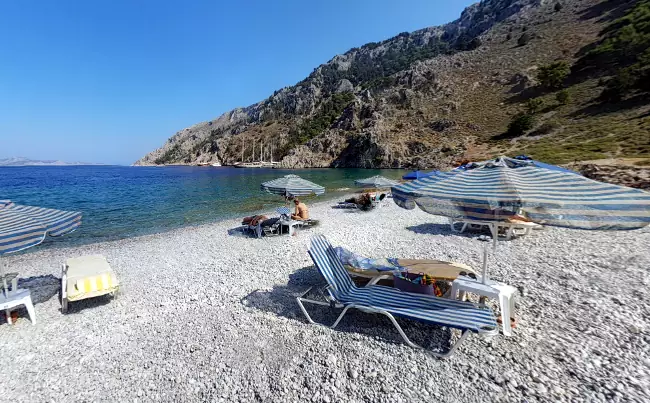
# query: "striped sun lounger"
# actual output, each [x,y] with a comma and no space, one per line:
[343,293]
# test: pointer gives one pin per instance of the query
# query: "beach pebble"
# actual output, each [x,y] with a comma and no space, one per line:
[203,315]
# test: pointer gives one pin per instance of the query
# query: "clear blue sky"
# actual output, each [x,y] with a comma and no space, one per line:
[110,80]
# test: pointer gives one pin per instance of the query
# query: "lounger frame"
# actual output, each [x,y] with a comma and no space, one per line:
[364,308]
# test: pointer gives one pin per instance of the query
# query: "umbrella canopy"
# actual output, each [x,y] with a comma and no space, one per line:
[376,181]
[545,165]
[292,185]
[22,227]
[414,175]
[517,162]
[544,196]
[495,191]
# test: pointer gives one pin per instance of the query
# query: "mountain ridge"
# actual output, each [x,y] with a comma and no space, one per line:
[414,100]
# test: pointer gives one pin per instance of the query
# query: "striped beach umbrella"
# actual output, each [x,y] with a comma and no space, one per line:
[494,192]
[292,185]
[22,227]
[376,181]
[544,196]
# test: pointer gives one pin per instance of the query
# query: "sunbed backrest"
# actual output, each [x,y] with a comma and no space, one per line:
[324,257]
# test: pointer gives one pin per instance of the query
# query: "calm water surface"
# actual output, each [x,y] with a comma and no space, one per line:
[120,202]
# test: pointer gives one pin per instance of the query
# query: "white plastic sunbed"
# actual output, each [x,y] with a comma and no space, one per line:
[513,228]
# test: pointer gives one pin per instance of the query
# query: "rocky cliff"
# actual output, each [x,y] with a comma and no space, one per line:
[420,99]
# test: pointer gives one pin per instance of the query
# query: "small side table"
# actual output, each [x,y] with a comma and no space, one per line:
[502,292]
[291,224]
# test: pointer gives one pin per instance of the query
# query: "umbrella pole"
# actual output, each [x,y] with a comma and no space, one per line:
[495,233]
[485,263]
[5,289]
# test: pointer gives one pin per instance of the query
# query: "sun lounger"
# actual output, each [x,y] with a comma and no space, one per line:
[343,293]
[437,269]
[86,277]
[513,227]
[346,205]
[379,269]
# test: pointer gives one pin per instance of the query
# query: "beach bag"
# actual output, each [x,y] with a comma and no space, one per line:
[418,283]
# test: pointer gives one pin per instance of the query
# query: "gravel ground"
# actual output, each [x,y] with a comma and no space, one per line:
[207,316]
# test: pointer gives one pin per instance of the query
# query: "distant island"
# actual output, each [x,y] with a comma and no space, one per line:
[21,162]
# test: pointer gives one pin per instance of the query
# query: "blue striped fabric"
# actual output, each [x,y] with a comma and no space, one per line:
[22,227]
[283,210]
[544,196]
[292,185]
[376,181]
[440,311]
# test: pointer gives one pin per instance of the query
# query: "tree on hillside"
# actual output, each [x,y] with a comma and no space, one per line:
[552,76]
[623,53]
[534,105]
[520,124]
[563,97]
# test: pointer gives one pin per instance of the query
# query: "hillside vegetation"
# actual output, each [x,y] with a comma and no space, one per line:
[561,81]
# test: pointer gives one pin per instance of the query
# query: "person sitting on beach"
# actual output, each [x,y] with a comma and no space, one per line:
[301,213]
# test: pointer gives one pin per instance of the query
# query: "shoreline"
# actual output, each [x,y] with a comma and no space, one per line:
[57,243]
[203,315]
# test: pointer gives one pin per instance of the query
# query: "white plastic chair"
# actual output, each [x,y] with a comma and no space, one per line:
[16,297]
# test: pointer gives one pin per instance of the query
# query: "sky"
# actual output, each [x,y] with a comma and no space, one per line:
[106,81]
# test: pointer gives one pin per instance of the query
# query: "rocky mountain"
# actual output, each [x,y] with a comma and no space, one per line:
[442,94]
[21,161]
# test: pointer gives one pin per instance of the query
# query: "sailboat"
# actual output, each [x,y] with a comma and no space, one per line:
[249,164]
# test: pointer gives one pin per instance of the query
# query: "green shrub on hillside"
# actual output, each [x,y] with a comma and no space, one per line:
[619,86]
[520,124]
[623,53]
[330,110]
[534,105]
[552,76]
[563,97]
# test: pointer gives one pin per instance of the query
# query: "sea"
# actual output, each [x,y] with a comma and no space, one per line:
[122,201]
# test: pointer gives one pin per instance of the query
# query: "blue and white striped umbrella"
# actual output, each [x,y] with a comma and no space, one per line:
[22,227]
[283,210]
[547,197]
[376,181]
[494,192]
[292,185]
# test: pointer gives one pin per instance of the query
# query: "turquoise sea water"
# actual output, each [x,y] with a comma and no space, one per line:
[119,202]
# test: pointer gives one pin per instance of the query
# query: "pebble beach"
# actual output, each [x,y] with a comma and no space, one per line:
[205,315]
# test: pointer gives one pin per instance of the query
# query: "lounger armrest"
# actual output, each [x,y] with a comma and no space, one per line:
[64,281]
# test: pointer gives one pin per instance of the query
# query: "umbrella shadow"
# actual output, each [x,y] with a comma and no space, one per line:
[41,288]
[241,232]
[445,230]
[88,303]
[281,301]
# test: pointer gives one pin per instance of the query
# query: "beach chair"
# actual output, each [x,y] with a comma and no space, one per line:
[391,302]
[513,227]
[86,277]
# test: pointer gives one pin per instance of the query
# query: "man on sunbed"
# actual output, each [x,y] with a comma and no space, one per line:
[301,213]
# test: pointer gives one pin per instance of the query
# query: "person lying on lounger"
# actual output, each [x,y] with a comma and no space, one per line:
[301,213]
